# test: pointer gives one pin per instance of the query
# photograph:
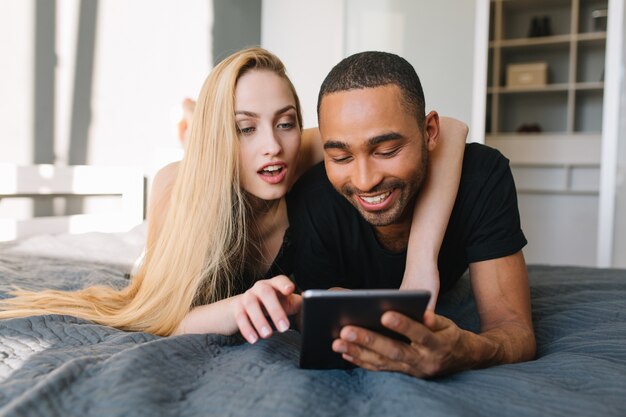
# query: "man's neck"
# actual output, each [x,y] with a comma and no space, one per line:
[394,237]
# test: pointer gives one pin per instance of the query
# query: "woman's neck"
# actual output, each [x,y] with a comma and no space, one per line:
[269,217]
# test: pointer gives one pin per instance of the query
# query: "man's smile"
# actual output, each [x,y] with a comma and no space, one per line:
[377,202]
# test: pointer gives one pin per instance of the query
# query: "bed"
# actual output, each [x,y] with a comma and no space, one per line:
[64,366]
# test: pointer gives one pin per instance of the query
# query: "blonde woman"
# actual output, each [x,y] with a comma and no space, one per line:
[216,256]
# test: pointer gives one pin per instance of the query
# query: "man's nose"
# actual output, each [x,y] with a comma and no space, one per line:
[366,176]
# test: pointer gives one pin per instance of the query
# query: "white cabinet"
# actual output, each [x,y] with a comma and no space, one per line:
[552,132]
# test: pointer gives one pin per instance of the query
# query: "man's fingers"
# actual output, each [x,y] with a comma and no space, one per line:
[417,332]
[435,322]
[359,355]
[374,342]
[378,361]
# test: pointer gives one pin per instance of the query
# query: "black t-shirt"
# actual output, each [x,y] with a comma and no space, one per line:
[282,265]
[335,246]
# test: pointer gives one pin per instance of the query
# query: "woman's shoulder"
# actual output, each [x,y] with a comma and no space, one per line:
[164,178]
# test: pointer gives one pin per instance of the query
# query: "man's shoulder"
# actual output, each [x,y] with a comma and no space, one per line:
[313,193]
[477,152]
[314,178]
[481,161]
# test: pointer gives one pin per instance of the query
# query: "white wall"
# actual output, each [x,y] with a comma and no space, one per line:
[98,83]
[436,37]
[147,56]
[16,80]
[308,38]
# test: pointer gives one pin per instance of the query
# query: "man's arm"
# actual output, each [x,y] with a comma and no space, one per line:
[502,295]
[439,346]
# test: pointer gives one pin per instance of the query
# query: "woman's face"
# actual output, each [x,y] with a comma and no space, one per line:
[269,135]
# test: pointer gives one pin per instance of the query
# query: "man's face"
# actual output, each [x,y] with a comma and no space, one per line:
[375,152]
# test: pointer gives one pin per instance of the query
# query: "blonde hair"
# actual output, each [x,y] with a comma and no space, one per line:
[200,252]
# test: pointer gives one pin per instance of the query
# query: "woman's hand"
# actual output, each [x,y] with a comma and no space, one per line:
[273,297]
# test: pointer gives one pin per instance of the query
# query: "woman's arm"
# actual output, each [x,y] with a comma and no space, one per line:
[269,299]
[433,208]
[311,151]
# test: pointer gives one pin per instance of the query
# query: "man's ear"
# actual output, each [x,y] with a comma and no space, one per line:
[431,130]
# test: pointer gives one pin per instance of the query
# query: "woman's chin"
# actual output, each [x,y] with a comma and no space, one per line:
[269,195]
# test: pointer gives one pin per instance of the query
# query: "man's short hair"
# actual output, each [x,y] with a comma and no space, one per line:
[376,69]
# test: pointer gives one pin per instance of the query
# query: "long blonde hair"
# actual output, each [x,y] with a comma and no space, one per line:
[200,251]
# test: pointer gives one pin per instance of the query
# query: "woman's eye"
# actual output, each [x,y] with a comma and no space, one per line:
[245,130]
[285,125]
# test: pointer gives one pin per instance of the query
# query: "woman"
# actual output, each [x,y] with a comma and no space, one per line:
[218,219]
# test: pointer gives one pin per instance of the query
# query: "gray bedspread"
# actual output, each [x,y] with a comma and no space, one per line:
[63,366]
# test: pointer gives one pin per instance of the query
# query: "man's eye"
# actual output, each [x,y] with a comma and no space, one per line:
[341,159]
[388,154]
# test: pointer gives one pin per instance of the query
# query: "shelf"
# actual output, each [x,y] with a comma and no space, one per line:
[557,40]
[591,37]
[599,85]
[571,101]
[530,4]
[550,88]
[552,192]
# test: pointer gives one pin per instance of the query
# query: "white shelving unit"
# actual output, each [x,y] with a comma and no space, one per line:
[557,170]
[569,107]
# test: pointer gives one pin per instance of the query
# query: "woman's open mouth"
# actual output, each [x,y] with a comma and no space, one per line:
[273,173]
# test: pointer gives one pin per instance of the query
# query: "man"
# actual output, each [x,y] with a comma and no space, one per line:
[354,218]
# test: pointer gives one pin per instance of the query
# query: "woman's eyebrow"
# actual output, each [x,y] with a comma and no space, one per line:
[285,109]
[277,112]
[246,113]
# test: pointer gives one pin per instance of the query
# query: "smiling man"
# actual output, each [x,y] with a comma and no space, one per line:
[354,217]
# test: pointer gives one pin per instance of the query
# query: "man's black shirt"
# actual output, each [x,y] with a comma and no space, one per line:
[336,247]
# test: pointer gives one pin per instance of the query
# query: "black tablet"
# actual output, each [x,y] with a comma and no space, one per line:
[325,313]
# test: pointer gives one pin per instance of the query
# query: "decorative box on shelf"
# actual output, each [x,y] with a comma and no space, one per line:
[533,74]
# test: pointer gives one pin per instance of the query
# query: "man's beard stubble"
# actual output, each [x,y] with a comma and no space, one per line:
[403,207]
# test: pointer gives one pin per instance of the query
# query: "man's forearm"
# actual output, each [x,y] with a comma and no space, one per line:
[509,343]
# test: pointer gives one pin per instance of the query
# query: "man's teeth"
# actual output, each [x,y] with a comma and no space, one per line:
[376,199]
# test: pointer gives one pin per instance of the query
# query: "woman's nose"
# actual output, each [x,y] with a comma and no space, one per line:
[271,143]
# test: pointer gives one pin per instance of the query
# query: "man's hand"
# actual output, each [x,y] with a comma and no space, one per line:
[437,347]
[273,296]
